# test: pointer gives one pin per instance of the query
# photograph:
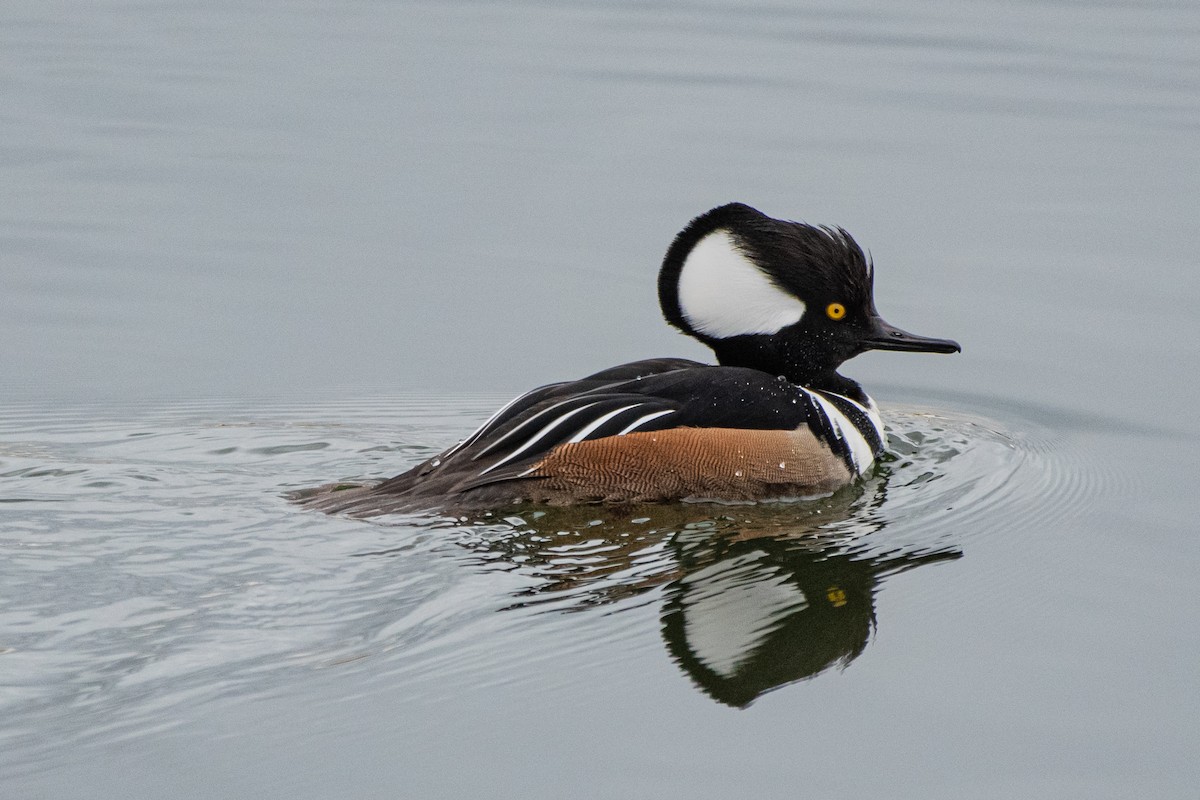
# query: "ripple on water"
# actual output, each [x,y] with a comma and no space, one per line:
[156,566]
[753,597]
[944,480]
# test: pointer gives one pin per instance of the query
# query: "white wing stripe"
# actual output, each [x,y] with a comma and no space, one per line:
[586,432]
[640,422]
[521,427]
[537,437]
[489,421]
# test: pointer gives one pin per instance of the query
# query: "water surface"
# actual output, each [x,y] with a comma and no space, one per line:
[248,250]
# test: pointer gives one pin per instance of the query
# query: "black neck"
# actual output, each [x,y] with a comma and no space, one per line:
[840,384]
[773,356]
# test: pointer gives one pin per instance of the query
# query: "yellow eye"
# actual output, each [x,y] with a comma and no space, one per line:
[835,311]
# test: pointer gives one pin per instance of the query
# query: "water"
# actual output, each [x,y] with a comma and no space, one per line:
[250,250]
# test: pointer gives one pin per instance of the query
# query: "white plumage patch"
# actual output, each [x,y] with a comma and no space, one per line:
[876,420]
[860,451]
[723,293]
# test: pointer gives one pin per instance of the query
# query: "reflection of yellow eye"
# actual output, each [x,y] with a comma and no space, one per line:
[835,310]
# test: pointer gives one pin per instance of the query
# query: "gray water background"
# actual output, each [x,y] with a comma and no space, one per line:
[245,249]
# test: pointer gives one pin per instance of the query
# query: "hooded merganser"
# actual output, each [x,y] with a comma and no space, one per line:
[782,305]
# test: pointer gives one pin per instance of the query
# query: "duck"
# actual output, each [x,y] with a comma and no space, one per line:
[781,304]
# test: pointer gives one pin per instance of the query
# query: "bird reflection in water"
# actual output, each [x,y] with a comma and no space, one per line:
[755,597]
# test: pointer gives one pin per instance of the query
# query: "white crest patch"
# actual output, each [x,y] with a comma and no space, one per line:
[723,293]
